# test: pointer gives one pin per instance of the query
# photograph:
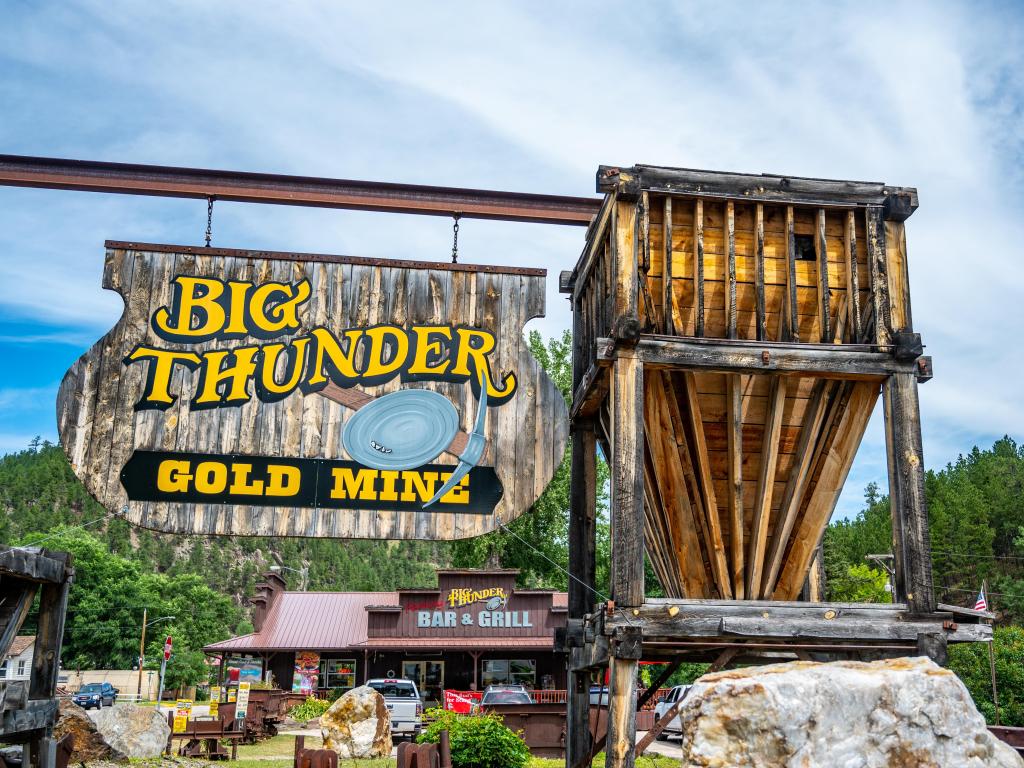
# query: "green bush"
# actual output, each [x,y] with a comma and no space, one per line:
[477,741]
[970,662]
[336,693]
[311,708]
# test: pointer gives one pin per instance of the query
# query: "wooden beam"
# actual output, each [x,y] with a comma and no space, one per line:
[768,188]
[590,392]
[626,281]
[765,486]
[762,320]
[730,246]
[734,442]
[824,295]
[582,518]
[832,361]
[838,458]
[53,603]
[698,265]
[792,497]
[703,462]
[790,314]
[877,271]
[621,737]
[668,296]
[898,274]
[627,459]
[711,528]
[852,278]
[911,537]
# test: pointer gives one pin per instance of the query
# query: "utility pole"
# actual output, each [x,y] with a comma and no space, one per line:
[142,651]
[163,670]
[992,655]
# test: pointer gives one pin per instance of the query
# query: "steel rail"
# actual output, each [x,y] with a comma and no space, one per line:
[237,186]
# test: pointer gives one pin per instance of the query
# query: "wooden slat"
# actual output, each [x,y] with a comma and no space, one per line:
[730,246]
[762,321]
[700,455]
[821,249]
[734,430]
[668,301]
[852,278]
[876,270]
[838,460]
[698,264]
[792,327]
[796,485]
[765,487]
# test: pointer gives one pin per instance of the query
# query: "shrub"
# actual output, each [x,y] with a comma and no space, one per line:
[477,741]
[311,708]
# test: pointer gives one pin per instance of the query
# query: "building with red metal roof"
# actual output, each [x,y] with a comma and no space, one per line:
[472,630]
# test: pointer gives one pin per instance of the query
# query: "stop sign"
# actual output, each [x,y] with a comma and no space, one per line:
[167,648]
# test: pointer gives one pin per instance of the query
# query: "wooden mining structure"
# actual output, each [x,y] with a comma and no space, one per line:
[732,335]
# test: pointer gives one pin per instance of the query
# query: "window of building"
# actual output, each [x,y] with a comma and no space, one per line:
[3,668]
[337,673]
[510,671]
[21,668]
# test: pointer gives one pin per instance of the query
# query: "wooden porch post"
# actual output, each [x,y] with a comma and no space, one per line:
[582,514]
[890,284]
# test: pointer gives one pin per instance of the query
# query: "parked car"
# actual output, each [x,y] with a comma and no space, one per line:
[97,695]
[402,699]
[672,698]
[505,694]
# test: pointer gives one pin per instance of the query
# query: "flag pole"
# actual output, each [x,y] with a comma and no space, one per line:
[992,657]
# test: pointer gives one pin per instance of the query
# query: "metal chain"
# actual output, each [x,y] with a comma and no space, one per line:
[209,220]
[455,238]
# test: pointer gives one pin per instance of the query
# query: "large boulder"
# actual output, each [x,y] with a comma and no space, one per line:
[898,713]
[89,742]
[134,731]
[358,725]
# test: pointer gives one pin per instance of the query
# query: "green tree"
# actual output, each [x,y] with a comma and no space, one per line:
[860,584]
[970,661]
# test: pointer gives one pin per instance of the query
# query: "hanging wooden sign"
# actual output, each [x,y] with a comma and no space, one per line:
[255,393]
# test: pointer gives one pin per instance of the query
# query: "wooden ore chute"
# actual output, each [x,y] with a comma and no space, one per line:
[732,336]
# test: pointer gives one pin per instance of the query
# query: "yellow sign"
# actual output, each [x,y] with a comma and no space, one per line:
[459,597]
[214,700]
[242,705]
[182,712]
[232,696]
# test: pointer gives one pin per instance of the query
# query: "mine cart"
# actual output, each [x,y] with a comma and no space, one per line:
[732,336]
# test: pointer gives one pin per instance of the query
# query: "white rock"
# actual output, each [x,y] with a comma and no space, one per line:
[897,713]
[134,731]
[358,725]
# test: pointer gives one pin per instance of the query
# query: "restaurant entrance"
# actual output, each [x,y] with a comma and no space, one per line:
[428,676]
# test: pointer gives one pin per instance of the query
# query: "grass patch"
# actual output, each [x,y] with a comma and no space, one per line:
[646,761]
[278,746]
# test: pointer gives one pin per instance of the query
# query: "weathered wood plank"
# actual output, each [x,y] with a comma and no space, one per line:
[877,269]
[668,301]
[765,487]
[853,278]
[821,251]
[707,488]
[627,409]
[790,315]
[734,431]
[730,250]
[762,320]
[834,361]
[698,264]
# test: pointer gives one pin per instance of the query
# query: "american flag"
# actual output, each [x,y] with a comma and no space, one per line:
[981,604]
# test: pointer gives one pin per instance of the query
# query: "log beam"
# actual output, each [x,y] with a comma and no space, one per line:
[827,361]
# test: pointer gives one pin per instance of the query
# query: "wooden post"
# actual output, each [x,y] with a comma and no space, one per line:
[582,513]
[627,513]
[911,539]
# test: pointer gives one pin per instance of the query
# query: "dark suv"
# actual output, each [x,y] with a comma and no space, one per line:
[96,695]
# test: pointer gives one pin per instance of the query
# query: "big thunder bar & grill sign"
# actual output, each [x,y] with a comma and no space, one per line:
[255,393]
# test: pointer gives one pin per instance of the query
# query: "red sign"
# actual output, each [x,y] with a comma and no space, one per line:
[461,701]
[167,648]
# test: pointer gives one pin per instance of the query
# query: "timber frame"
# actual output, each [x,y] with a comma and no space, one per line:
[732,334]
[28,709]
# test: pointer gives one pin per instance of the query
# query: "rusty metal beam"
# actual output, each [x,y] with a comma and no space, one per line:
[162,181]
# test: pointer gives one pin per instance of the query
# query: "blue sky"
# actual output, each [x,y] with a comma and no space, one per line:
[528,96]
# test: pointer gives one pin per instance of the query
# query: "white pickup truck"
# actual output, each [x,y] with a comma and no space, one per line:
[403,702]
[672,699]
